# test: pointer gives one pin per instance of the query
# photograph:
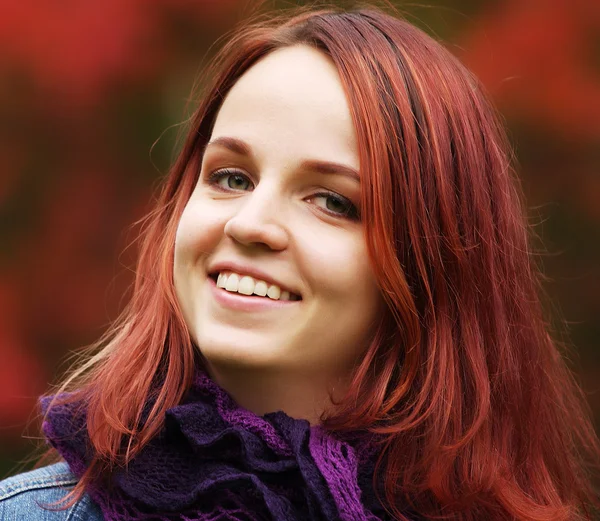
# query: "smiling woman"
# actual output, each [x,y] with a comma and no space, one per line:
[271,205]
[336,314]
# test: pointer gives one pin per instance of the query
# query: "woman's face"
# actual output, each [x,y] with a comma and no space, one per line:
[277,202]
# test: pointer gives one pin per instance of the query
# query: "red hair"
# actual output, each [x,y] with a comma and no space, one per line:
[480,417]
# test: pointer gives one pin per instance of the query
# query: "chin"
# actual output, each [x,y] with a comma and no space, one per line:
[244,353]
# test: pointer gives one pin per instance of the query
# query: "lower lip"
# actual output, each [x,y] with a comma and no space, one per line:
[243,303]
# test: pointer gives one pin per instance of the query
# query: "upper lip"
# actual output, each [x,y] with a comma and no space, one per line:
[244,269]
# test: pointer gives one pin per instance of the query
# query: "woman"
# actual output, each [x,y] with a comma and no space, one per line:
[336,312]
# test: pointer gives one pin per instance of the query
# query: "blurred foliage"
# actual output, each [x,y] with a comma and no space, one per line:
[91,95]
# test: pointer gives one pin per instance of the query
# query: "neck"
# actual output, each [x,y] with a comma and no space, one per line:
[301,396]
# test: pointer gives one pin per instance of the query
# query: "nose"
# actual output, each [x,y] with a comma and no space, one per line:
[257,221]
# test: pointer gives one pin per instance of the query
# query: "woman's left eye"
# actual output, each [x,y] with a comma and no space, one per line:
[337,205]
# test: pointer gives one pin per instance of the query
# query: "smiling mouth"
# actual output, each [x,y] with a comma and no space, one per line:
[254,290]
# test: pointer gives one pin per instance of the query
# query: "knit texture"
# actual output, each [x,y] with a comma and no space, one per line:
[215,461]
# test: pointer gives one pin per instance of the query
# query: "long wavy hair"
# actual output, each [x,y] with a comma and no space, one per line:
[479,415]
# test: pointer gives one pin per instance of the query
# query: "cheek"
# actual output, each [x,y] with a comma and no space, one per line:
[198,232]
[342,265]
[347,299]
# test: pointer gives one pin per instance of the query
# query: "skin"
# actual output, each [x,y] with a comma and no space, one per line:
[289,107]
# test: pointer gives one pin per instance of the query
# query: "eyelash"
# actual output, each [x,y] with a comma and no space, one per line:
[351,214]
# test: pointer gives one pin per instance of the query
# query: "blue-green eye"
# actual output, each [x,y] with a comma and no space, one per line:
[337,205]
[334,204]
[229,180]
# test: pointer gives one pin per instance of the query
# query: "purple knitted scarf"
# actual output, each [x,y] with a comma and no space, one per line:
[215,461]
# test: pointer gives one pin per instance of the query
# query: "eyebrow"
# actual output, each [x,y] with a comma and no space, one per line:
[240,147]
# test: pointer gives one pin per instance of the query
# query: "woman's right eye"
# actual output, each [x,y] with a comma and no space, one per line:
[227,179]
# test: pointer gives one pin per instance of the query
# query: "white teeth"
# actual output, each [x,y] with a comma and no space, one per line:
[260,288]
[274,292]
[247,285]
[222,280]
[232,282]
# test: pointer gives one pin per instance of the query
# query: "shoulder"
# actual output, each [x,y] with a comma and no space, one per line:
[28,496]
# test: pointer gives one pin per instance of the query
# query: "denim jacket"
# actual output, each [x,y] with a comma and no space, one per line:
[21,496]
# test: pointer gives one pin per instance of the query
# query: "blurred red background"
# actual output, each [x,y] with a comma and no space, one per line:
[87,88]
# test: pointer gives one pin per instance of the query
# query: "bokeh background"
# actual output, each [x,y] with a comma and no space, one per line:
[91,96]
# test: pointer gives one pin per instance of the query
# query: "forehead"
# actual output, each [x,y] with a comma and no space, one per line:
[293,102]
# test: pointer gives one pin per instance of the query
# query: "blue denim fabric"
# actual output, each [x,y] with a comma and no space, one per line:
[22,495]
